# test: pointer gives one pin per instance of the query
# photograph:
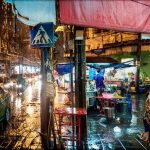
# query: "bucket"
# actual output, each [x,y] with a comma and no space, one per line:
[109,112]
[122,107]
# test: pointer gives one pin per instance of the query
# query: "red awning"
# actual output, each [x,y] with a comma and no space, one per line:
[126,15]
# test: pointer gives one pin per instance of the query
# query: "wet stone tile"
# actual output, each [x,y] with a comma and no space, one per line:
[118,133]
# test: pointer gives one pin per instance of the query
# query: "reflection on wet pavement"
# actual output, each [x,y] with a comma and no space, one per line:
[119,133]
[24,126]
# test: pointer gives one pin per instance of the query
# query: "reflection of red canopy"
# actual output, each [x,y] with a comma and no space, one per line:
[127,15]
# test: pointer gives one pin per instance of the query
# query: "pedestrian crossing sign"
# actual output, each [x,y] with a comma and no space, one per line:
[42,35]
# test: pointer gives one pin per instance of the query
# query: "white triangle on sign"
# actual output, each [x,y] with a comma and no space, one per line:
[41,37]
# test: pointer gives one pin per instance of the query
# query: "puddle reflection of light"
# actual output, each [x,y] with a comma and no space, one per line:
[30,93]
[12,98]
[118,119]
[132,130]
[117,132]
[30,110]
[18,103]
[40,76]
[94,146]
[134,120]
[39,84]
[117,129]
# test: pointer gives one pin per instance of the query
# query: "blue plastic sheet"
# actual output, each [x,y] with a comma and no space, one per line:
[63,69]
[92,73]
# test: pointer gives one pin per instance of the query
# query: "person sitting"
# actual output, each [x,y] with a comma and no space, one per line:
[146,121]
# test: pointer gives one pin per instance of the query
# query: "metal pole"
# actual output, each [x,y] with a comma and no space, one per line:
[80,70]
[83,79]
[138,59]
[83,66]
[76,77]
[44,99]
[80,78]
[71,79]
[72,95]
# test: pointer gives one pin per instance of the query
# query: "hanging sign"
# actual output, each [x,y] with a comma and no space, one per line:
[42,35]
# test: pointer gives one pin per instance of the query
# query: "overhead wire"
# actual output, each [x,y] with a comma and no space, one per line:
[139,2]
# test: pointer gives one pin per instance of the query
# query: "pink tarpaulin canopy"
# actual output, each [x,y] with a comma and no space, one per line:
[126,15]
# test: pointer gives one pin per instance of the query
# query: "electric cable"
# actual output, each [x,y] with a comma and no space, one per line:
[139,2]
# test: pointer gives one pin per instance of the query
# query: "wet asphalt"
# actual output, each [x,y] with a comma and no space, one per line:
[120,132]
[23,129]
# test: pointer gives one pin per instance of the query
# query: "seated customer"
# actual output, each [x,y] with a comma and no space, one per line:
[146,120]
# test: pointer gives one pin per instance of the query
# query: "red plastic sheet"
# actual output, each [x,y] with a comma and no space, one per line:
[126,15]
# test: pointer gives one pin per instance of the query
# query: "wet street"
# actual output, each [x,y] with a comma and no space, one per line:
[83,67]
[122,132]
[23,130]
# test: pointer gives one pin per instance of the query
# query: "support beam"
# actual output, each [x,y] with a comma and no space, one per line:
[80,75]
[80,68]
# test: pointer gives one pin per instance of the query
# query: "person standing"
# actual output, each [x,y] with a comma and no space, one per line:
[99,81]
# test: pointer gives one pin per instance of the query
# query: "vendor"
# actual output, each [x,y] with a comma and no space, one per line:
[99,81]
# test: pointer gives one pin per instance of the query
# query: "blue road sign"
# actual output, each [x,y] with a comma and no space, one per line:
[42,35]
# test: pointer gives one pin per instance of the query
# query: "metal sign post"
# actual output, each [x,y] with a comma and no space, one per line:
[42,36]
